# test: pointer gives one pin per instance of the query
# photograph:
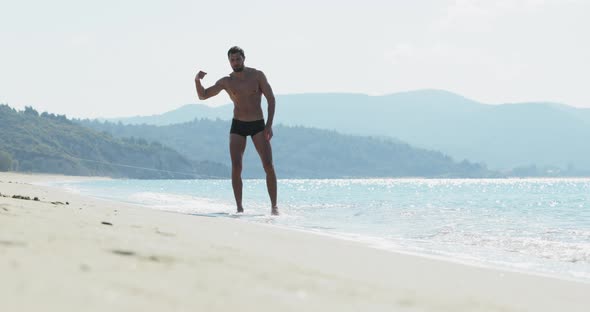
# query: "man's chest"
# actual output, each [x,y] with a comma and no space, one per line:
[243,87]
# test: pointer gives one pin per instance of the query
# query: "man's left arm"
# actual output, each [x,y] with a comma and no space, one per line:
[270,98]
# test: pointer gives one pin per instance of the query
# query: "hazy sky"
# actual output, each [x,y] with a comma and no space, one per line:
[119,58]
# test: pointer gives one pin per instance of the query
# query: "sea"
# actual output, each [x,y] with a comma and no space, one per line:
[535,226]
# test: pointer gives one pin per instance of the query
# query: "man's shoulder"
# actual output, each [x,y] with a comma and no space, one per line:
[257,73]
[250,70]
[223,79]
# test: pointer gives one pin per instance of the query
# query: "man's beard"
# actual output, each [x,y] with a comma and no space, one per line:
[238,69]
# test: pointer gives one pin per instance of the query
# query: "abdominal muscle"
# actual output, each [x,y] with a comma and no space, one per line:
[247,107]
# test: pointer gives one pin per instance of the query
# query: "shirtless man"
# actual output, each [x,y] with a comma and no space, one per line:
[245,87]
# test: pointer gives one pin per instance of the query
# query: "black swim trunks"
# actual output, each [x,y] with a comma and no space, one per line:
[246,128]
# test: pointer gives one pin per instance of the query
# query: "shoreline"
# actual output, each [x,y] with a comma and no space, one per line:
[365,240]
[66,258]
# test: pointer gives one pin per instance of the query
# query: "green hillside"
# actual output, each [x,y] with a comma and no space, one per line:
[303,152]
[33,142]
[503,136]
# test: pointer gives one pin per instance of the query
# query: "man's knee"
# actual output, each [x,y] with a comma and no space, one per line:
[236,166]
[268,167]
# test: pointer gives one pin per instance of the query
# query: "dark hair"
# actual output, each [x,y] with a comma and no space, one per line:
[235,49]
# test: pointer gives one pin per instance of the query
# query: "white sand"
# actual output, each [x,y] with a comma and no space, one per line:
[57,257]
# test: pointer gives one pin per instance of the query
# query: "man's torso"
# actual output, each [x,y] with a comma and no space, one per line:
[246,94]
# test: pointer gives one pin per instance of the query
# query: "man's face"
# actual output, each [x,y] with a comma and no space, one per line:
[237,62]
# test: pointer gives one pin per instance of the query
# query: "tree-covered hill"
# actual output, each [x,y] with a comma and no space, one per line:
[506,136]
[48,143]
[301,152]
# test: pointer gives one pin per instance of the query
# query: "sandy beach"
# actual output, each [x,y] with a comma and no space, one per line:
[65,252]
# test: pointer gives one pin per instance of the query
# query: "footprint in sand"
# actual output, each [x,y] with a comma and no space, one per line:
[153,258]
[165,233]
[12,243]
[123,252]
[161,259]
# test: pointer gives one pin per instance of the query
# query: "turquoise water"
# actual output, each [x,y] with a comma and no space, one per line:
[539,226]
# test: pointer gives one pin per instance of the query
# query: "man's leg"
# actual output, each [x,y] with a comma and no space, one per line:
[265,152]
[237,144]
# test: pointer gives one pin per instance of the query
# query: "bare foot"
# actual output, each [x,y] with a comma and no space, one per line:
[275,211]
[240,210]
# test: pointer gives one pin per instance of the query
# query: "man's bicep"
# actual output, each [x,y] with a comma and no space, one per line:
[216,88]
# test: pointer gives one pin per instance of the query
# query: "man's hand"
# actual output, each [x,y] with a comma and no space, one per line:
[200,75]
[268,133]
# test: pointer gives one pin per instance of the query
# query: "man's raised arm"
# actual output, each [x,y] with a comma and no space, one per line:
[209,92]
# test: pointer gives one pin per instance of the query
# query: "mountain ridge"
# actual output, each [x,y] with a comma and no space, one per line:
[544,133]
